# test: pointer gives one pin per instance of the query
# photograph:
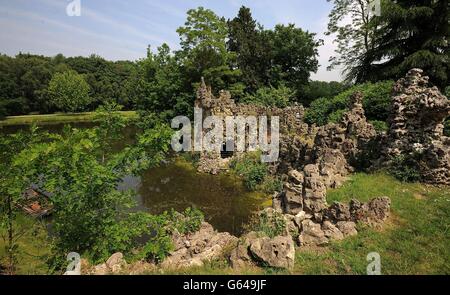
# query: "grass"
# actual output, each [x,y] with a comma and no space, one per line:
[56,118]
[415,240]
[33,247]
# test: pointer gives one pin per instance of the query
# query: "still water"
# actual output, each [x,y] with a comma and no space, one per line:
[176,184]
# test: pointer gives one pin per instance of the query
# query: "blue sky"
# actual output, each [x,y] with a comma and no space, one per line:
[117,29]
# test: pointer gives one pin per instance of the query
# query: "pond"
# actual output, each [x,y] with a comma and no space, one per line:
[176,184]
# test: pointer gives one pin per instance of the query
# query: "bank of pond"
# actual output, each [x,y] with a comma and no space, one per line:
[175,184]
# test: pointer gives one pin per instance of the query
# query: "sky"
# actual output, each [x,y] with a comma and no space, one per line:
[122,30]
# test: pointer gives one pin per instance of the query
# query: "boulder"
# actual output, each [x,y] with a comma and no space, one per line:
[240,256]
[337,212]
[194,249]
[312,234]
[348,228]
[332,232]
[278,252]
[116,263]
[372,213]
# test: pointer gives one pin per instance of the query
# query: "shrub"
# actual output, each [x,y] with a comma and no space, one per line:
[377,97]
[380,126]
[405,168]
[270,96]
[255,174]
[267,223]
[161,228]
[251,169]
[69,91]
[187,222]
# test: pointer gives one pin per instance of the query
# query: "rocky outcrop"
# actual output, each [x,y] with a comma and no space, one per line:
[311,234]
[194,249]
[278,252]
[255,249]
[291,121]
[335,147]
[416,128]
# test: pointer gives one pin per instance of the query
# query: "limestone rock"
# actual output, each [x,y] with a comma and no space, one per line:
[337,212]
[193,249]
[348,228]
[372,213]
[240,256]
[332,232]
[312,234]
[416,127]
[100,270]
[278,252]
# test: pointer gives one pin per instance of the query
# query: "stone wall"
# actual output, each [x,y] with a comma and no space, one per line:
[291,121]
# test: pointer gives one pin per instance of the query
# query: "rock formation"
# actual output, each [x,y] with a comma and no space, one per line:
[326,162]
[416,128]
[194,249]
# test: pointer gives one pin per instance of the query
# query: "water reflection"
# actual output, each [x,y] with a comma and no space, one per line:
[225,202]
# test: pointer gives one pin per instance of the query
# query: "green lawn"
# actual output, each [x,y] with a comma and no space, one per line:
[33,246]
[56,118]
[415,240]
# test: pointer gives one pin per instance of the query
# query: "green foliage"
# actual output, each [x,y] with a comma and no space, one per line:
[268,224]
[90,213]
[255,174]
[188,221]
[69,91]
[317,89]
[24,80]
[376,102]
[380,126]
[204,51]
[294,55]
[159,85]
[251,169]
[405,168]
[247,40]
[161,228]
[12,186]
[408,34]
[269,96]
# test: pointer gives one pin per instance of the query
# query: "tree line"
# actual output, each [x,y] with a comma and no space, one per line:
[256,64]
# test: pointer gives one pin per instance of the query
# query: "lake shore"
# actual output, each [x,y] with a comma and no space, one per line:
[56,118]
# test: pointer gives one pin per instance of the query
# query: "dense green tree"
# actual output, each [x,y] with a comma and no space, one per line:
[294,55]
[12,186]
[23,80]
[159,85]
[272,97]
[376,102]
[407,34]
[317,89]
[91,216]
[69,91]
[204,52]
[252,49]
[412,34]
